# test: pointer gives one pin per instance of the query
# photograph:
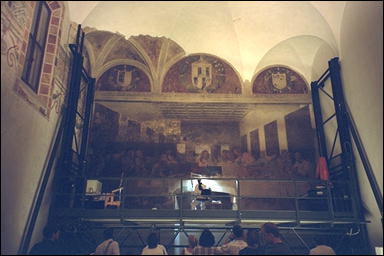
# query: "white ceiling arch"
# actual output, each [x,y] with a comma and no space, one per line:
[243,33]
[297,53]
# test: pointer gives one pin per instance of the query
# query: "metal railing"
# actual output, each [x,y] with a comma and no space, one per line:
[237,195]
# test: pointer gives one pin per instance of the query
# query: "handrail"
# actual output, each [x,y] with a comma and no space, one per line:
[177,195]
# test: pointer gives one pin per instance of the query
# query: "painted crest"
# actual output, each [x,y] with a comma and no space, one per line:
[279,80]
[201,74]
[124,78]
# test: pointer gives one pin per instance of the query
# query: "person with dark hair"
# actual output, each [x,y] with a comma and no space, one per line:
[153,247]
[274,244]
[236,242]
[253,241]
[49,245]
[206,242]
[192,243]
[108,246]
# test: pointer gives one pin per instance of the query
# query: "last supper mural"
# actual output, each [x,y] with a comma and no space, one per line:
[151,156]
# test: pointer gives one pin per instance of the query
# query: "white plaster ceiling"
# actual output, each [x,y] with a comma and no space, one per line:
[249,35]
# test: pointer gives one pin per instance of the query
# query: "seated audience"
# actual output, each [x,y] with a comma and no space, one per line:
[206,242]
[153,247]
[274,244]
[236,244]
[253,241]
[192,243]
[50,244]
[108,246]
[322,247]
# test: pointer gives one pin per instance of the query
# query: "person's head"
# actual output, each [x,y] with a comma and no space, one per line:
[108,233]
[253,238]
[230,156]
[192,241]
[237,231]
[206,239]
[204,155]
[224,155]
[236,152]
[51,232]
[152,240]
[270,232]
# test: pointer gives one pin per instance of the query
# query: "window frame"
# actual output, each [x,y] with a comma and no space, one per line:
[34,45]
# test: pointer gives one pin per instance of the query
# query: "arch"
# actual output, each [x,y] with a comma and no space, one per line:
[292,81]
[297,53]
[217,80]
[138,72]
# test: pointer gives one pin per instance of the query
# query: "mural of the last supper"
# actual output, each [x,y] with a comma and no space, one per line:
[151,156]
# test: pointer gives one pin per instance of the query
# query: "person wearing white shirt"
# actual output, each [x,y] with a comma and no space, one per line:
[109,246]
[236,245]
[153,247]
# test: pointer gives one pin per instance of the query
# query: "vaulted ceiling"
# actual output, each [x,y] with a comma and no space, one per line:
[249,35]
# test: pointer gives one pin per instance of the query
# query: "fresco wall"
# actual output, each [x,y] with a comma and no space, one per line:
[201,73]
[124,78]
[279,80]
[170,148]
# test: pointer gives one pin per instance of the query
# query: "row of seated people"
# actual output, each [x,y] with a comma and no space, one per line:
[266,241]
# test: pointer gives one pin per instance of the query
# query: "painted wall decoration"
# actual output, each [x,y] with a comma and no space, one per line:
[151,45]
[123,49]
[124,78]
[279,80]
[212,135]
[271,139]
[105,126]
[172,50]
[300,134]
[161,131]
[201,73]
[255,143]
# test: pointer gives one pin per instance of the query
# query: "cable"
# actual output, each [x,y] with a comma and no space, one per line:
[300,238]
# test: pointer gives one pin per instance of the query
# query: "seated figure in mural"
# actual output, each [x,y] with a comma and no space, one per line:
[127,163]
[140,164]
[237,155]
[205,159]
[224,156]
[160,168]
[285,164]
[302,167]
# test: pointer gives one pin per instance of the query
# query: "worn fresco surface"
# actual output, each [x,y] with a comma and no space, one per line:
[124,78]
[201,73]
[281,80]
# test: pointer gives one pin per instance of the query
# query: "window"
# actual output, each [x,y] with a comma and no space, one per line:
[36,45]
